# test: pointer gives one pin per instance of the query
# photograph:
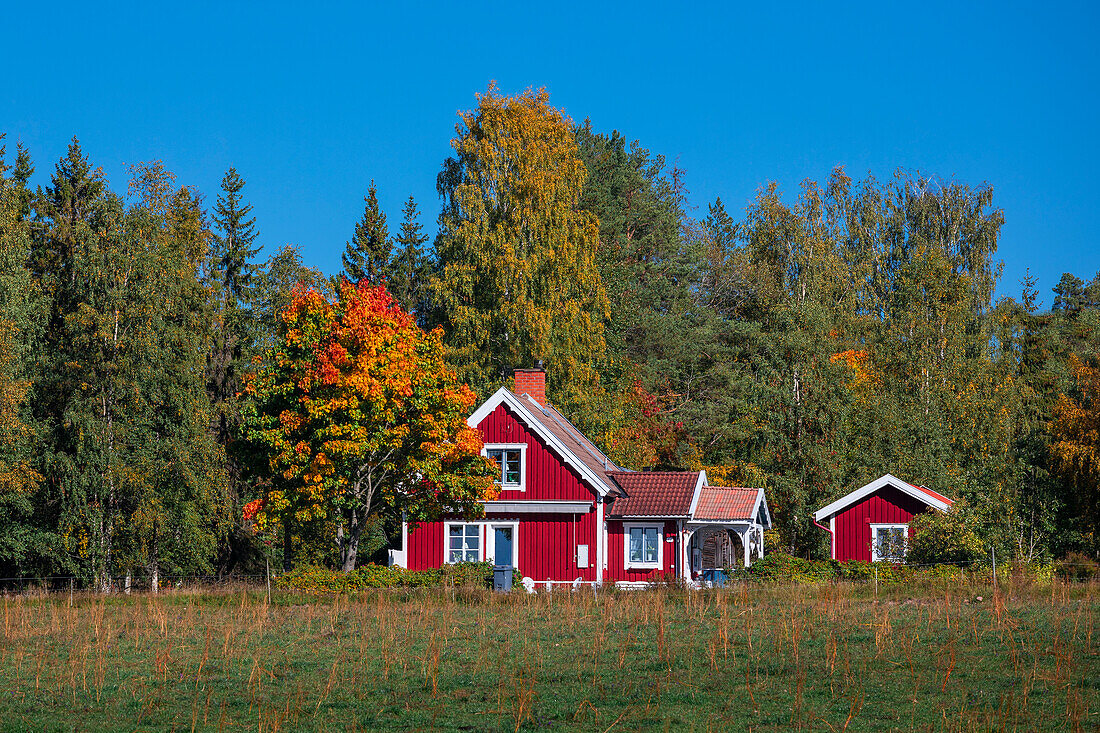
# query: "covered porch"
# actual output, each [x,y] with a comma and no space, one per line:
[724,531]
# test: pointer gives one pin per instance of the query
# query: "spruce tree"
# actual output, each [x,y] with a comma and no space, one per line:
[369,254]
[410,264]
[234,275]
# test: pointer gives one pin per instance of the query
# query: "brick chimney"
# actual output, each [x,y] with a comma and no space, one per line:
[532,382]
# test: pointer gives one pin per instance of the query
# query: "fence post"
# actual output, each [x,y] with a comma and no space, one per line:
[267,562]
[993,555]
[70,592]
[876,581]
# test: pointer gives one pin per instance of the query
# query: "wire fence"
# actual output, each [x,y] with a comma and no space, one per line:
[963,572]
[125,584]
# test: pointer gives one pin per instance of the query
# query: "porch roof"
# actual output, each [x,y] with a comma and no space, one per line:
[726,504]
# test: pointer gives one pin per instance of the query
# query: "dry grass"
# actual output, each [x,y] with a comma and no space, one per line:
[826,657]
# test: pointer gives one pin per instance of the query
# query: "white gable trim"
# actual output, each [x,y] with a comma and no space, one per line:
[879,483]
[762,503]
[503,395]
[698,491]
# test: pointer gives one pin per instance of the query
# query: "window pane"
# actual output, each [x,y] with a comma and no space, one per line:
[651,544]
[635,544]
[512,467]
[496,455]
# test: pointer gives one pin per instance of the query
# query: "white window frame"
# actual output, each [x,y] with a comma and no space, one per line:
[447,541]
[522,448]
[486,549]
[874,539]
[627,563]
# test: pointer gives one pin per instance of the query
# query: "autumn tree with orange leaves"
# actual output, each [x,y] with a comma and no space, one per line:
[356,411]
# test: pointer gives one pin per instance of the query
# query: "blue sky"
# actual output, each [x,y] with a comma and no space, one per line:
[311,102]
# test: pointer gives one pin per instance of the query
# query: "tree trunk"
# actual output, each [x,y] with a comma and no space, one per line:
[351,542]
[288,548]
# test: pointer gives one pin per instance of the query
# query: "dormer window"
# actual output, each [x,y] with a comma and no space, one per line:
[510,461]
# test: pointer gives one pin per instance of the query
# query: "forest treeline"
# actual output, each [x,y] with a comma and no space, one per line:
[808,344]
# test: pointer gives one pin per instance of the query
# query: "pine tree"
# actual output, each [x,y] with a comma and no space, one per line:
[234,252]
[369,254]
[408,284]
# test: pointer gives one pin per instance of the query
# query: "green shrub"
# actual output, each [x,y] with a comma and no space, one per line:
[313,579]
[945,537]
[1077,566]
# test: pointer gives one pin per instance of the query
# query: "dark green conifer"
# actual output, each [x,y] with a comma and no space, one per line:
[369,254]
[409,279]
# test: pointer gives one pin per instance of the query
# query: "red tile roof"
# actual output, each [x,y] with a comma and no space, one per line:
[654,493]
[721,503]
[933,494]
[580,446]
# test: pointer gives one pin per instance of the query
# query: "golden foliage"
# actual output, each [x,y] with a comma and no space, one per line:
[520,280]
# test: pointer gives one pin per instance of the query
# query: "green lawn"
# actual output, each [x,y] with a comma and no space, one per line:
[825,657]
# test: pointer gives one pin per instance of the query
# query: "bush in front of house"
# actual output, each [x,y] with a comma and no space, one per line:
[313,579]
[782,567]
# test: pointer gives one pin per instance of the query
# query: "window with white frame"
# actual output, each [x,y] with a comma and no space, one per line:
[889,542]
[510,460]
[463,543]
[642,545]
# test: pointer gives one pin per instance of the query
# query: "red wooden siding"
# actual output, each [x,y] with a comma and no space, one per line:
[547,478]
[852,526]
[547,544]
[425,546]
[615,568]
[547,548]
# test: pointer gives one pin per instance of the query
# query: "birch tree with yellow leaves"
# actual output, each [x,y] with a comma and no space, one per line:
[519,280]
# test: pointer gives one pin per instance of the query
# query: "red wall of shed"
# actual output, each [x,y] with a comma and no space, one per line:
[615,553]
[547,478]
[852,526]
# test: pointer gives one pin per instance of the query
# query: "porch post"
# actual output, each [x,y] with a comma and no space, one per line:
[685,554]
[601,533]
[745,545]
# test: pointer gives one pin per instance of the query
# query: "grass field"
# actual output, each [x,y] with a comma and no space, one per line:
[824,657]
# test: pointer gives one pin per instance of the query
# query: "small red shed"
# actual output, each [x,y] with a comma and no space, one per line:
[872,522]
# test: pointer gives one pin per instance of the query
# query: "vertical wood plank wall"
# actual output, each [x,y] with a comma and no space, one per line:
[615,552]
[547,543]
[853,525]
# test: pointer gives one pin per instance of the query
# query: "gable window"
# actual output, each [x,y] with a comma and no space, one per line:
[509,459]
[463,543]
[642,545]
[889,542]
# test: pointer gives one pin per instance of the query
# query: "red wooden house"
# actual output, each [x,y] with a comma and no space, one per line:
[872,522]
[566,511]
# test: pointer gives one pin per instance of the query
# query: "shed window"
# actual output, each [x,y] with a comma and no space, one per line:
[889,542]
